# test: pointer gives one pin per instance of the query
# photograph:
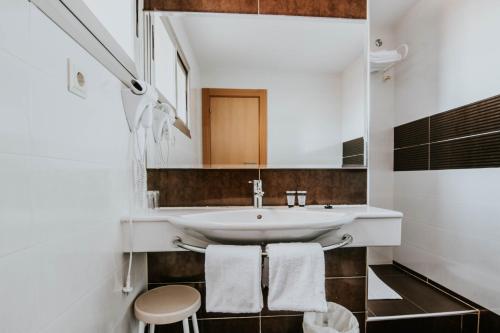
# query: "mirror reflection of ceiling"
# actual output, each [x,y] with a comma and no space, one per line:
[244,41]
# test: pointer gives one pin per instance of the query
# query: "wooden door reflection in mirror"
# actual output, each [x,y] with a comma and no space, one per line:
[234,127]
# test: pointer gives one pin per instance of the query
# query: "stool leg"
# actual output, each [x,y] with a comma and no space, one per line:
[142,326]
[185,325]
[151,328]
[195,323]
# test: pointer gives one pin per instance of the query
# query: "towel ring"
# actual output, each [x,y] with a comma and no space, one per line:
[346,240]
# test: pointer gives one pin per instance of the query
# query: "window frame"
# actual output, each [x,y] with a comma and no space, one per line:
[182,125]
[180,63]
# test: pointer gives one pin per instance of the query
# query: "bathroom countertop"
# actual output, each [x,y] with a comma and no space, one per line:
[152,232]
[361,211]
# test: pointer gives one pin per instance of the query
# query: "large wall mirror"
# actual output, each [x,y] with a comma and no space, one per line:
[263,91]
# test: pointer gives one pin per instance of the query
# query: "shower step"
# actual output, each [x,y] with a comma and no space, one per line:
[423,307]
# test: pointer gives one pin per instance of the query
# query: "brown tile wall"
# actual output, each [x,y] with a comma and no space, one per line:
[354,9]
[230,187]
[219,6]
[345,284]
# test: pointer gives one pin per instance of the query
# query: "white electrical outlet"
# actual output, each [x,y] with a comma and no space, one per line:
[77,83]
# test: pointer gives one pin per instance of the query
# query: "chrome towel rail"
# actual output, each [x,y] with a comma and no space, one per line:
[346,240]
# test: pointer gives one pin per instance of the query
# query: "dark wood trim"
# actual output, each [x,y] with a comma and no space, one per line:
[208,93]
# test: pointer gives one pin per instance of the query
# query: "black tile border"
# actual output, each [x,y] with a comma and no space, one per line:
[442,324]
[466,153]
[412,134]
[358,160]
[475,118]
[353,147]
[410,271]
[438,286]
[420,298]
[412,158]
[353,152]
[487,320]
[462,138]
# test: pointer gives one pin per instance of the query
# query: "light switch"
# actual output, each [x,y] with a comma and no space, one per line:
[77,83]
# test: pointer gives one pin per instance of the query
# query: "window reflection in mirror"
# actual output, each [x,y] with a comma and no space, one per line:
[182,90]
[263,91]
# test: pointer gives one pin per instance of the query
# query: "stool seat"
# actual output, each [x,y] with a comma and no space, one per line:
[168,304]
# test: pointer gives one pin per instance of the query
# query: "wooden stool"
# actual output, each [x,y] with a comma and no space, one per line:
[167,305]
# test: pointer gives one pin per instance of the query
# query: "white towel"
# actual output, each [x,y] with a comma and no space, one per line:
[233,275]
[296,277]
[385,56]
[377,289]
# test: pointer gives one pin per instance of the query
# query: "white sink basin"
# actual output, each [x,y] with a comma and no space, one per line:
[254,226]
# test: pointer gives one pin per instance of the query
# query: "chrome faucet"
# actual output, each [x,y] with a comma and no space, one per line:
[257,193]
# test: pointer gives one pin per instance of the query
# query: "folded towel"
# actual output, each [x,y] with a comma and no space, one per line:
[233,275]
[377,289]
[296,277]
[385,56]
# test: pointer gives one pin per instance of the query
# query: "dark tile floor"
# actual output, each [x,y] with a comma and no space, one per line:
[432,310]
[418,296]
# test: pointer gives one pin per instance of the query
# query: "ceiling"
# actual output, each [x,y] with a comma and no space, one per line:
[388,12]
[262,42]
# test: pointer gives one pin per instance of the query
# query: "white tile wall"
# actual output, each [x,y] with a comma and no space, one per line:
[353,99]
[450,229]
[14,16]
[63,163]
[380,149]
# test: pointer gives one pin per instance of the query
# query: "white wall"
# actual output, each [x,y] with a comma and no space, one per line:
[304,113]
[380,142]
[64,183]
[118,16]
[353,99]
[450,229]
